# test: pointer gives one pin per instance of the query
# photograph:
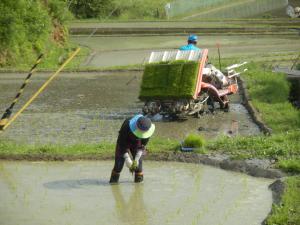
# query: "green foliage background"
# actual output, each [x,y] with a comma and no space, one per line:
[28,27]
[92,8]
[120,9]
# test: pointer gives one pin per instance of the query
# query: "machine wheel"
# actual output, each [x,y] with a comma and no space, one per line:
[211,104]
[199,114]
[226,107]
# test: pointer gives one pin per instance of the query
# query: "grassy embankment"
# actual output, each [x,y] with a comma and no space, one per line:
[269,93]
[288,211]
[52,59]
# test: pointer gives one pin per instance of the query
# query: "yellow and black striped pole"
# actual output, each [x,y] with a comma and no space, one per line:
[42,88]
[8,111]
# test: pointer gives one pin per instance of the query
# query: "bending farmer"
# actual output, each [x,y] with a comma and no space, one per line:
[133,137]
[192,42]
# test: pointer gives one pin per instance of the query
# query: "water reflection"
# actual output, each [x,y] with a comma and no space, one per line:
[130,211]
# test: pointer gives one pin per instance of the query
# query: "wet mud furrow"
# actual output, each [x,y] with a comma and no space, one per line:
[90,107]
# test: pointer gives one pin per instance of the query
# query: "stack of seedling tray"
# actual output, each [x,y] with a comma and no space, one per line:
[169,80]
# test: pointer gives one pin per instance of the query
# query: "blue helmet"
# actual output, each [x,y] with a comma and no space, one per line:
[192,38]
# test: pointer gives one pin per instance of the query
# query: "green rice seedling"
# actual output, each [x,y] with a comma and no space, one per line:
[169,80]
[194,141]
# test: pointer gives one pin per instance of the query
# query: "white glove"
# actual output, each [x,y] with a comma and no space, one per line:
[128,160]
[138,156]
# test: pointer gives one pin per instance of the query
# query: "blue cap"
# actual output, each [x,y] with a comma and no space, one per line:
[193,37]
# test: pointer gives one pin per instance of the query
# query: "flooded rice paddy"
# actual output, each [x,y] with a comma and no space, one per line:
[123,50]
[227,23]
[172,193]
[90,108]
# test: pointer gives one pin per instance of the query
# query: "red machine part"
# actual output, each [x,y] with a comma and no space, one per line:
[218,94]
[202,62]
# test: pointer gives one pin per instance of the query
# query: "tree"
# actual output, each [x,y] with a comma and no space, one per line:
[92,8]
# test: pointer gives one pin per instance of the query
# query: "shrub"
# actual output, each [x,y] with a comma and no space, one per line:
[92,8]
[124,9]
[27,27]
[141,9]
[194,141]
[58,11]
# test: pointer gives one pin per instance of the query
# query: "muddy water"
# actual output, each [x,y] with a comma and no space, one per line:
[90,108]
[172,193]
[124,50]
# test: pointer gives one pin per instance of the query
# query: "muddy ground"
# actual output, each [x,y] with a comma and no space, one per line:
[90,107]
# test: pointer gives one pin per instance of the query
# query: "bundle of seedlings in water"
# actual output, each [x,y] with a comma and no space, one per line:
[169,80]
[193,142]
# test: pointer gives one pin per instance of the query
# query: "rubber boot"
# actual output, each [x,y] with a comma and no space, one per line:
[114,178]
[138,177]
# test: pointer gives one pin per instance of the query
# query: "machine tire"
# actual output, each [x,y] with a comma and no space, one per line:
[226,108]
[211,104]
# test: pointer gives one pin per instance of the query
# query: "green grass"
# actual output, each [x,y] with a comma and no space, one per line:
[103,149]
[269,94]
[158,145]
[291,165]
[280,147]
[288,212]
[13,149]
[52,59]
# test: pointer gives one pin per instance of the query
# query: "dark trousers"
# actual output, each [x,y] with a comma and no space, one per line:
[119,164]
